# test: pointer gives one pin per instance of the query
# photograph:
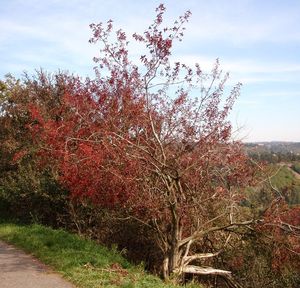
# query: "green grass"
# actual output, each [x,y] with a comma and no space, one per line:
[296,167]
[286,182]
[81,261]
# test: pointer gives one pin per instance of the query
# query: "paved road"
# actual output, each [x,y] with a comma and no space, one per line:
[18,270]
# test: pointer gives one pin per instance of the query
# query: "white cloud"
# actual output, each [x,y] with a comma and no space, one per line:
[282,94]
[67,36]
[247,71]
[244,22]
[12,30]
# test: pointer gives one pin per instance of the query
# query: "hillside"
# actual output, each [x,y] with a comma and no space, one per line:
[274,147]
[274,152]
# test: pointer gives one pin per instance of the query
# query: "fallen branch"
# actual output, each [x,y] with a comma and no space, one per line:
[192,269]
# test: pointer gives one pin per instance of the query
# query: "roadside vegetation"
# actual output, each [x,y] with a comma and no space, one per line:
[81,261]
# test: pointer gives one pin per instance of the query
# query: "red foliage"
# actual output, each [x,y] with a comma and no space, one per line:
[282,223]
[139,138]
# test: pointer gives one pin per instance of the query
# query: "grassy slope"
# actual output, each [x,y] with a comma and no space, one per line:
[81,261]
[286,179]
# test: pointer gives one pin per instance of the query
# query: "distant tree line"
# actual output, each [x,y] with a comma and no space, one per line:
[273,157]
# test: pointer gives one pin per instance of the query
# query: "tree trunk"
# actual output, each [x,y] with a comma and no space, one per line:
[165,268]
[171,262]
[173,257]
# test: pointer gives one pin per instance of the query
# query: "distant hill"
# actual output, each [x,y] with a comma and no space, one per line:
[274,147]
[274,152]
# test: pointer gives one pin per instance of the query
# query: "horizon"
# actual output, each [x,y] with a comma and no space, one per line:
[256,41]
[273,141]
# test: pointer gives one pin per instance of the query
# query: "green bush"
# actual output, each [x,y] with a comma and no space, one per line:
[30,195]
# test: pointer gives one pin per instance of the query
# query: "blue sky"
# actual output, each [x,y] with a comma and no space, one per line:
[257,41]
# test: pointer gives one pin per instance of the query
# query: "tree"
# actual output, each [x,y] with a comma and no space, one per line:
[29,190]
[152,140]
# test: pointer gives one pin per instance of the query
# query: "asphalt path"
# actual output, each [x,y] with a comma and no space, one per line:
[19,270]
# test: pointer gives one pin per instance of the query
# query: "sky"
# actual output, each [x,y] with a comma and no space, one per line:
[257,41]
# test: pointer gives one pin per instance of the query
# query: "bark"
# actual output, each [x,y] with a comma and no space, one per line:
[171,261]
[165,269]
